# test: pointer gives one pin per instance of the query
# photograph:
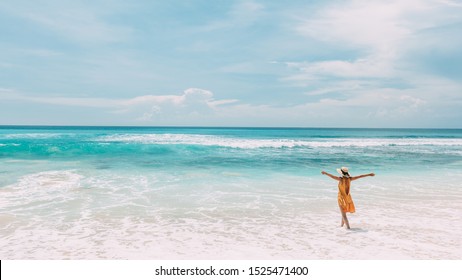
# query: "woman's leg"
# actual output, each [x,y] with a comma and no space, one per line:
[344,219]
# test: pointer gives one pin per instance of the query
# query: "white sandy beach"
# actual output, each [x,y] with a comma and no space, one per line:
[392,222]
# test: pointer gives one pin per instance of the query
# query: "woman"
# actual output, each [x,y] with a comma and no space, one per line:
[344,197]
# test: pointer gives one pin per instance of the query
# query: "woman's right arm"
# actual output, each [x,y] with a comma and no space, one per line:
[330,175]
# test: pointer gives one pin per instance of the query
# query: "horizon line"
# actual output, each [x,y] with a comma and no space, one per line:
[214,127]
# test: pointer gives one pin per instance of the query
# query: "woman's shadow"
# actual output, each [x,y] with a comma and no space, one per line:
[357,230]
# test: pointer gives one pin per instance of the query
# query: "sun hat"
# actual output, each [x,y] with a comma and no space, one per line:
[343,171]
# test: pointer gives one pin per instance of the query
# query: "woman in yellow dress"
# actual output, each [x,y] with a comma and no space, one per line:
[345,202]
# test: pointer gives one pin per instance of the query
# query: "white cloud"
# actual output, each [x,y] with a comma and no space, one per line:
[368,67]
[378,30]
[148,116]
[364,108]
[382,34]
[191,97]
[143,108]
[217,103]
[375,29]
[376,24]
[343,86]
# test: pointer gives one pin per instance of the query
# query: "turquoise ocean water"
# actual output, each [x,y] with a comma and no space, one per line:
[227,193]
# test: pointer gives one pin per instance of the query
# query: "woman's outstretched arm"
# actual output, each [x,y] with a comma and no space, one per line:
[361,176]
[330,175]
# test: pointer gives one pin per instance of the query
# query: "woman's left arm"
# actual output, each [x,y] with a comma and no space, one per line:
[362,176]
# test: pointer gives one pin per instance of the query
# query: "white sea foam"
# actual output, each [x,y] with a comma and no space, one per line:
[31,135]
[246,143]
[41,186]
[10,144]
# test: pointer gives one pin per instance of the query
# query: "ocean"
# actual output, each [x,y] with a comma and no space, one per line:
[227,193]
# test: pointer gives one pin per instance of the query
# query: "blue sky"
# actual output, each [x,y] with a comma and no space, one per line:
[232,63]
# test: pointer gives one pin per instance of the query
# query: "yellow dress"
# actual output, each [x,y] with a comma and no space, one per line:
[344,197]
